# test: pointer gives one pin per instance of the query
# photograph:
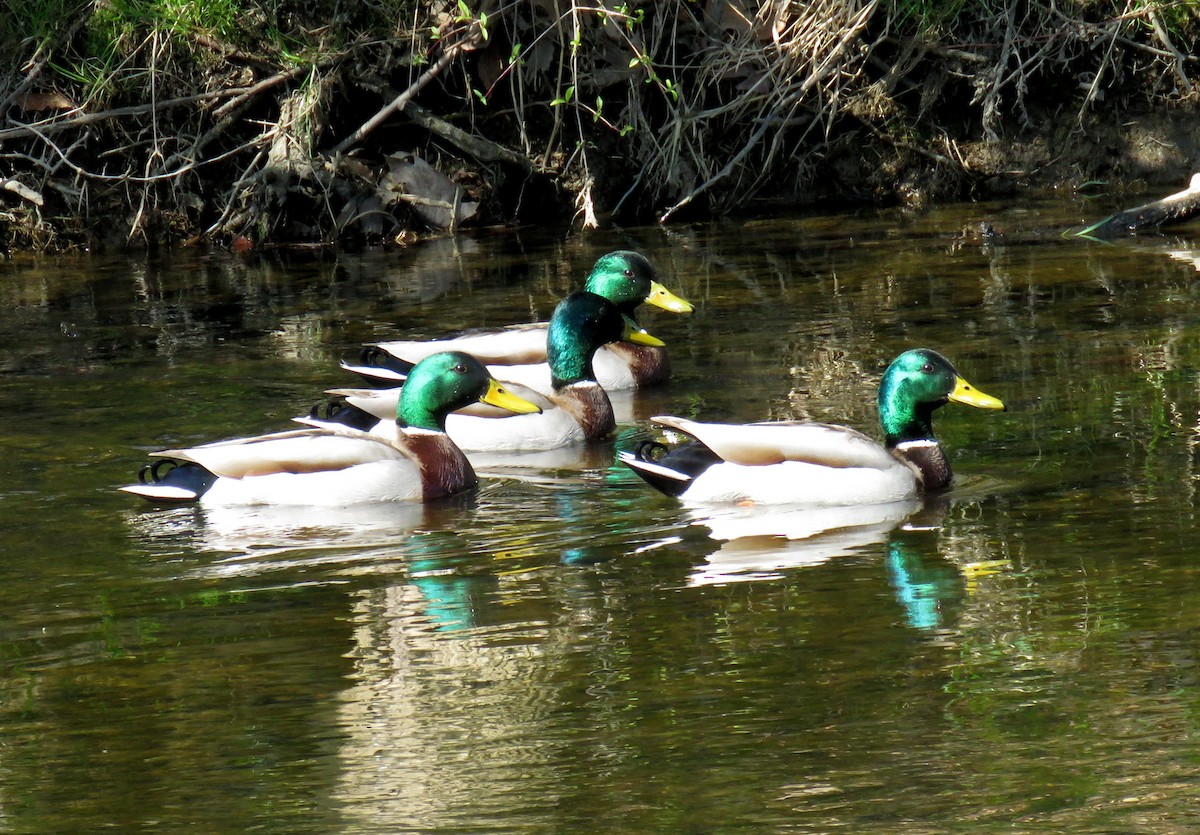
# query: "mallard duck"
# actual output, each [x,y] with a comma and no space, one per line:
[815,463]
[337,465]
[625,278]
[576,409]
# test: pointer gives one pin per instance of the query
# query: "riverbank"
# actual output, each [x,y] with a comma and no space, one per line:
[161,124]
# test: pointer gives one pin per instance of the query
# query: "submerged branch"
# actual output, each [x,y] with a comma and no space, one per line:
[1174,208]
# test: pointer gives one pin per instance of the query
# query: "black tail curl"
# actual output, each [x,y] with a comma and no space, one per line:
[688,460]
[375,357]
[182,474]
[338,411]
[651,451]
[155,471]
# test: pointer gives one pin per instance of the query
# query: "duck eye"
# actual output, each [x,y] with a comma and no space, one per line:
[927,368]
[460,369]
[628,272]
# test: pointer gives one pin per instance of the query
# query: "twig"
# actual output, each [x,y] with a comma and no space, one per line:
[234,192]
[227,113]
[232,52]
[851,32]
[130,178]
[991,101]
[928,153]
[1095,85]
[482,149]
[401,101]
[1161,32]
[42,128]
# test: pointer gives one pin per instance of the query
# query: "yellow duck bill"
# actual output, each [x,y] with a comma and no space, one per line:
[968,395]
[661,297]
[497,395]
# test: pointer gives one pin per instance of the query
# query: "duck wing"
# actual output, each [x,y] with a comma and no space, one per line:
[576,413]
[527,376]
[761,444]
[514,345]
[381,403]
[297,451]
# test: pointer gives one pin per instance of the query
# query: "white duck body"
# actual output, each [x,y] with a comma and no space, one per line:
[625,278]
[518,355]
[317,467]
[819,464]
[577,409]
[513,345]
[792,463]
[336,465]
[572,415]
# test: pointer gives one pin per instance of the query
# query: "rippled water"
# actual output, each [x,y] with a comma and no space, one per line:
[565,650]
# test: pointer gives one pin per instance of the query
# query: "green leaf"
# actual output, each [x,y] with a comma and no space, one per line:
[566,97]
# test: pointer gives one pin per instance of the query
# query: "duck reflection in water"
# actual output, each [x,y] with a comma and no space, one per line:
[761,542]
[252,540]
[927,589]
[764,543]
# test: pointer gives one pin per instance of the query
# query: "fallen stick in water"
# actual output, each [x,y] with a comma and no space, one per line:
[1172,209]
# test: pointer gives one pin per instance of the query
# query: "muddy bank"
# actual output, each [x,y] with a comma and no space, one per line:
[305,124]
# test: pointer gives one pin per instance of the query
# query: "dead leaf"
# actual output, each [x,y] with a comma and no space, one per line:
[53,100]
[490,64]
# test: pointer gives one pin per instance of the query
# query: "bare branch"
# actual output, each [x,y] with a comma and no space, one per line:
[401,101]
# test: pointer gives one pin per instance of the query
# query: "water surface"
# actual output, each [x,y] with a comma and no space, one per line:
[565,650]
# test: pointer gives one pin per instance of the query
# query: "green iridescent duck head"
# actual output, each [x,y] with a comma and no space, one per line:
[582,323]
[444,382]
[627,279]
[917,383]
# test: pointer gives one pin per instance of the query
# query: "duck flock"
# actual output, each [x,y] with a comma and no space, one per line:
[545,386]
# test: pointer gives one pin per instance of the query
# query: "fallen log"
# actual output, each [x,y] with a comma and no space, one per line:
[1171,209]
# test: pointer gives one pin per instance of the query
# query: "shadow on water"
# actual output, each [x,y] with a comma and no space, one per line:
[565,650]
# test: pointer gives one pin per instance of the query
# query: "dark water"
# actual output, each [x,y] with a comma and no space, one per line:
[565,650]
